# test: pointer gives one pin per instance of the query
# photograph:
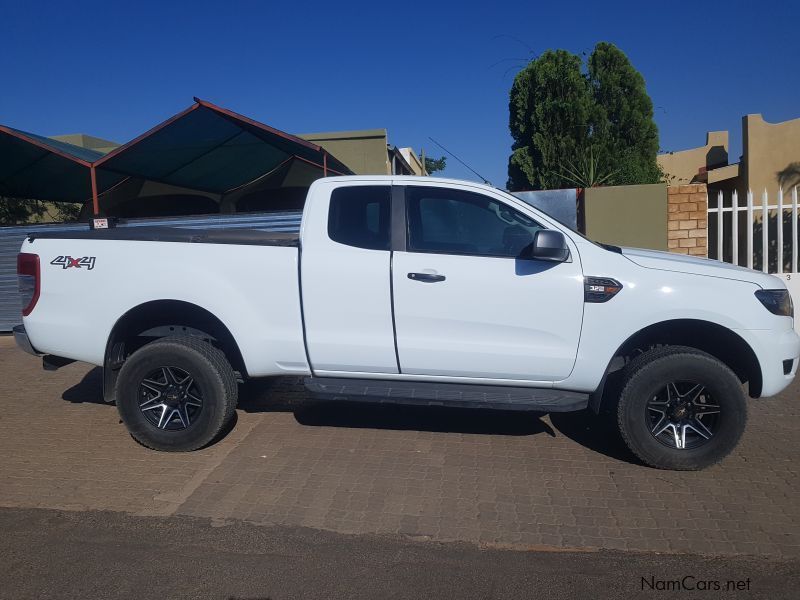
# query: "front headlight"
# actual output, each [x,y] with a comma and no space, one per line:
[778,302]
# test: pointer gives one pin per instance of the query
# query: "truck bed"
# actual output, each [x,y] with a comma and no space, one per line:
[246,278]
[243,236]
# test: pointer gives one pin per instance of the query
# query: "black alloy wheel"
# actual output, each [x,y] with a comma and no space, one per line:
[680,408]
[683,415]
[170,399]
[176,394]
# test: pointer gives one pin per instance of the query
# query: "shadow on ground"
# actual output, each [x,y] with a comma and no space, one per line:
[87,390]
[287,394]
[595,432]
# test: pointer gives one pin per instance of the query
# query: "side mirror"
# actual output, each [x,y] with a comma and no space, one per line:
[549,244]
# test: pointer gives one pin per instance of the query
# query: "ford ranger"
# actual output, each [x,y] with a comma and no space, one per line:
[412,290]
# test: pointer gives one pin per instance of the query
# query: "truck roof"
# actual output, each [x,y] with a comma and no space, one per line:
[410,179]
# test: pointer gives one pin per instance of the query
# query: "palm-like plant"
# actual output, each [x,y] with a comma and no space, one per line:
[586,171]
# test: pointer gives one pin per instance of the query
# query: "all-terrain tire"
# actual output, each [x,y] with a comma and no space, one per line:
[647,377]
[212,380]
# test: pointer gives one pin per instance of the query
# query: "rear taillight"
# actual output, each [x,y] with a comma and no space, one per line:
[28,276]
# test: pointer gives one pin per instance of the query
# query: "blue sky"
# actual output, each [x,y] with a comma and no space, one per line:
[419,69]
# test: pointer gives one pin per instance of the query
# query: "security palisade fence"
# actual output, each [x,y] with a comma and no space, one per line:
[760,236]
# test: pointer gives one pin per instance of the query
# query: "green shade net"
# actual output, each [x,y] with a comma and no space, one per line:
[32,166]
[207,150]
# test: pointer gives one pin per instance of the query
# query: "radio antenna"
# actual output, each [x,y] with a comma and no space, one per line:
[481,177]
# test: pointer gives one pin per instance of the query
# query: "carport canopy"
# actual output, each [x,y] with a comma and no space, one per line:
[33,166]
[211,149]
[205,148]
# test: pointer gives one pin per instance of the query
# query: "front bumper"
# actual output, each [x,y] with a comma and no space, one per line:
[21,338]
[773,348]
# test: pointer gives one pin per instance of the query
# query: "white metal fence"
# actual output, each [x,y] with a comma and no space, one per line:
[762,234]
[759,236]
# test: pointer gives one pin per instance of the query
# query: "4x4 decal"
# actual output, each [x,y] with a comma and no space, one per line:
[67,262]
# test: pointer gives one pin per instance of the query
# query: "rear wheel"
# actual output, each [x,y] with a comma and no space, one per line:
[681,409]
[176,394]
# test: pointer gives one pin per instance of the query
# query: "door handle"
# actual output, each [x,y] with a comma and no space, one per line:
[426,277]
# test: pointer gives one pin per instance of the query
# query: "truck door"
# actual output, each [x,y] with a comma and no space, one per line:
[466,306]
[345,279]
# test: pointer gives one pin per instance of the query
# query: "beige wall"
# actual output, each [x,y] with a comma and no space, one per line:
[87,141]
[413,160]
[726,180]
[771,154]
[684,166]
[770,159]
[364,152]
[632,215]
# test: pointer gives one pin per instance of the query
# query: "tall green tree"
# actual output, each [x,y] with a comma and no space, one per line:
[581,127]
[623,128]
[550,108]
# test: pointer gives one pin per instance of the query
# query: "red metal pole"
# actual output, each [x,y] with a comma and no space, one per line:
[95,202]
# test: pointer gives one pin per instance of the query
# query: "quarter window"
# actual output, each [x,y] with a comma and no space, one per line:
[360,216]
[447,221]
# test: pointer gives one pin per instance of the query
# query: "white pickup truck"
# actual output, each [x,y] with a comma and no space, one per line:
[412,290]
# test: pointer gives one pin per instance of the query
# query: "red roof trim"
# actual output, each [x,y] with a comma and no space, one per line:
[39,144]
[148,133]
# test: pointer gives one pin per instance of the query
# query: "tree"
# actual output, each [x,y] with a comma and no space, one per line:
[433,165]
[790,176]
[550,109]
[20,211]
[624,130]
[67,212]
[581,127]
[15,211]
[585,172]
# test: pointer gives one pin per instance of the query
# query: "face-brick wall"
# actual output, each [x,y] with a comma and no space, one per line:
[687,215]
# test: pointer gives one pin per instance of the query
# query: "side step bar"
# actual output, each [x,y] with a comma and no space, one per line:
[445,394]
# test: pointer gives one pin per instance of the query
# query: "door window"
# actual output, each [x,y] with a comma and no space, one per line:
[360,216]
[447,221]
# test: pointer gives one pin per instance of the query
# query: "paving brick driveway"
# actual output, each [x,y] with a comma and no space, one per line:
[494,477]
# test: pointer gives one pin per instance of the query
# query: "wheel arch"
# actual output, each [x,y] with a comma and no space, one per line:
[717,340]
[160,318]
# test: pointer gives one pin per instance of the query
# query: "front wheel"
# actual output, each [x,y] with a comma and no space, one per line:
[176,394]
[681,409]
